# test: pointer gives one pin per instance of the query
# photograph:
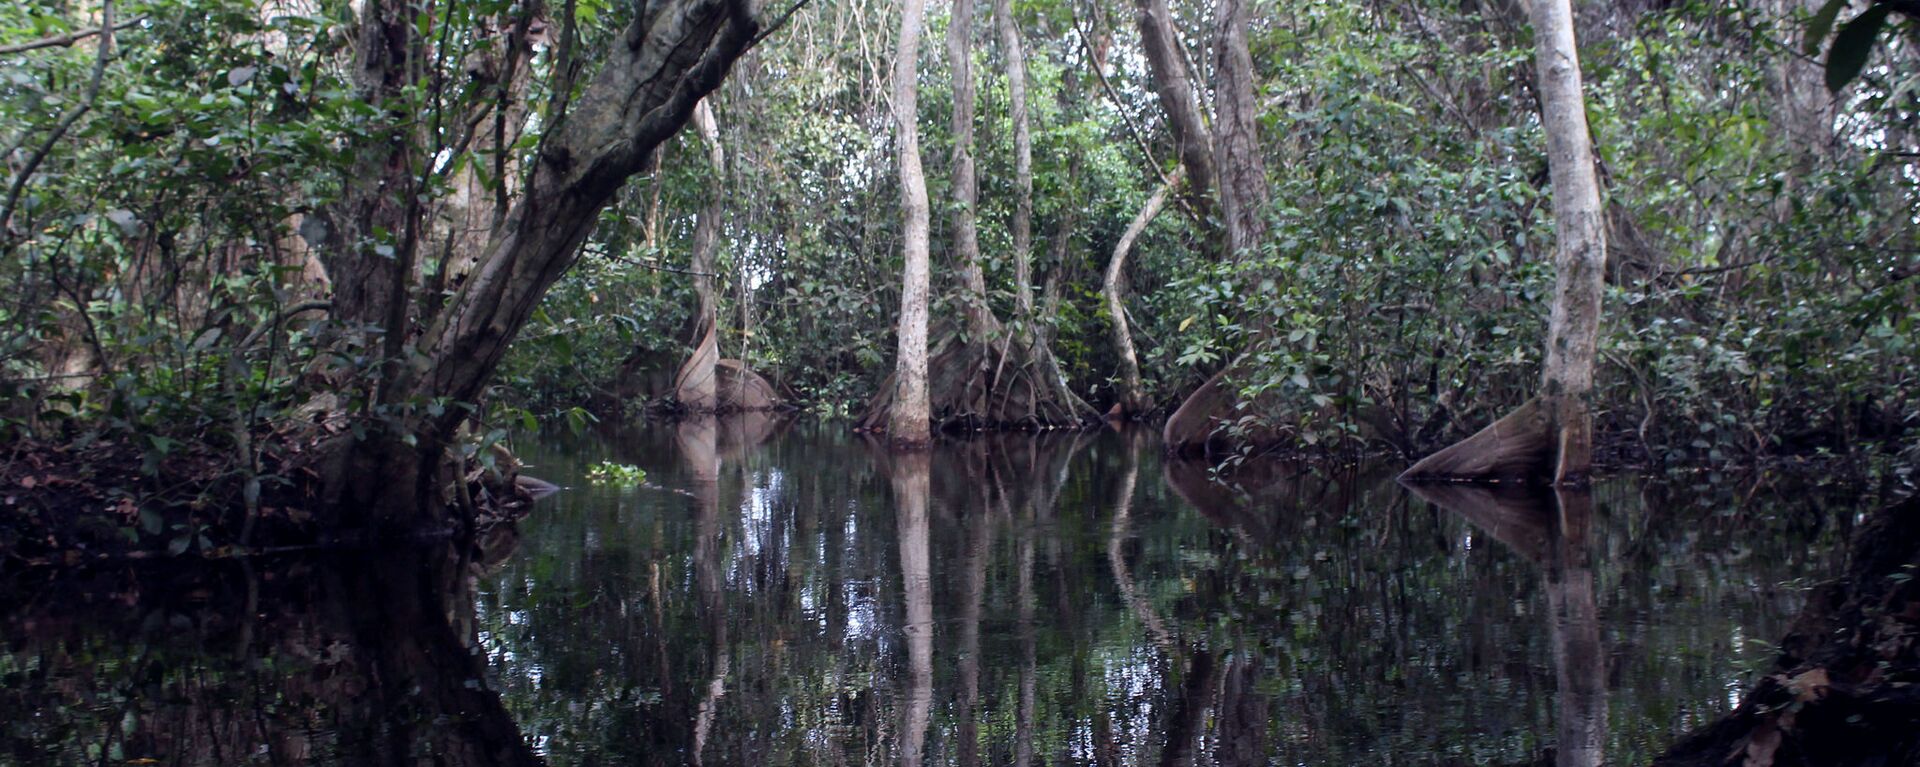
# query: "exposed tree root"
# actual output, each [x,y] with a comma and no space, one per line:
[1209,418]
[976,386]
[1519,446]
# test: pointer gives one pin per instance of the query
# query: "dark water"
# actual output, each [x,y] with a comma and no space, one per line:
[789,596]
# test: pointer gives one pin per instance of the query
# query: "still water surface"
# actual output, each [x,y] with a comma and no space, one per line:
[783,594]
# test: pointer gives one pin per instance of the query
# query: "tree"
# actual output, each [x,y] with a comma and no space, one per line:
[1131,398]
[1173,86]
[659,67]
[1241,186]
[909,416]
[982,375]
[1551,436]
[694,385]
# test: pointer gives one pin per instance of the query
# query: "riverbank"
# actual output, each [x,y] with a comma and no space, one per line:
[108,499]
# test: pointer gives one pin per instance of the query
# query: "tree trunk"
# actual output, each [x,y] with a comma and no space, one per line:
[1173,85]
[1551,438]
[981,325]
[654,73]
[1242,187]
[374,222]
[694,386]
[1131,399]
[1021,225]
[909,420]
[1236,140]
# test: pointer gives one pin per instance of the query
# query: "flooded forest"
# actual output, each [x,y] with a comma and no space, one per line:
[983,382]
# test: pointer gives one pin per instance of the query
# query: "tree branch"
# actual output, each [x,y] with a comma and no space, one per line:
[62,41]
[66,122]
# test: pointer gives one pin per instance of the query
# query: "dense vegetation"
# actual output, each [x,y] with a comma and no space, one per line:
[288,230]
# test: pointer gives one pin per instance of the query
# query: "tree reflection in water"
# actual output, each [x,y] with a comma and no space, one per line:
[1551,529]
[786,596]
[366,658]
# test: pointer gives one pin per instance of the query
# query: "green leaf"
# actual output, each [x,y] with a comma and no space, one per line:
[151,522]
[1820,25]
[1852,46]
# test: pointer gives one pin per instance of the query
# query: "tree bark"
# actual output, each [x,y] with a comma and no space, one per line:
[1131,399]
[1173,86]
[1551,438]
[981,325]
[1021,225]
[1580,259]
[374,222]
[909,421]
[1236,139]
[695,385]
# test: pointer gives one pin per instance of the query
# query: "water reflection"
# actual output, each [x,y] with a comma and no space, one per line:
[359,659]
[1551,529]
[784,595]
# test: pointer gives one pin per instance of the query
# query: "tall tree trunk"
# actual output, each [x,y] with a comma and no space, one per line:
[1173,85]
[1580,259]
[909,421]
[981,325]
[1131,398]
[1242,187]
[1021,226]
[1551,436]
[653,74]
[1236,140]
[694,386]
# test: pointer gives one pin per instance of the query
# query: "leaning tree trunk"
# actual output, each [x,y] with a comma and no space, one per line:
[655,71]
[909,419]
[1551,436]
[1131,399]
[1173,86]
[694,385]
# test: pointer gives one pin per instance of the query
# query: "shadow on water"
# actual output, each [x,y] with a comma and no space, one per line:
[779,594]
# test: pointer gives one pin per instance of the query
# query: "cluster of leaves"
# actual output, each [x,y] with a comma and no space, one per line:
[616,474]
[1758,302]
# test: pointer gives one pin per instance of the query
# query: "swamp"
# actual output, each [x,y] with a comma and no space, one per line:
[1024,382]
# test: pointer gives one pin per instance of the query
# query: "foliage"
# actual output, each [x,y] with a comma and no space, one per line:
[1760,298]
[616,474]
